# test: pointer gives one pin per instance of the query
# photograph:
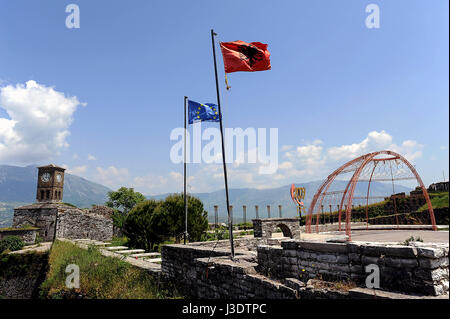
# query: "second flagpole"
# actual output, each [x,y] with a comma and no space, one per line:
[230,218]
[185,173]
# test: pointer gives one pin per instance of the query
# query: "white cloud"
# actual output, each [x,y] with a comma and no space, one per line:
[113,177]
[77,170]
[91,157]
[285,148]
[444,148]
[311,161]
[375,141]
[38,123]
[157,184]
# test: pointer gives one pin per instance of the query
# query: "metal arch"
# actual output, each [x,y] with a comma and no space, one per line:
[345,193]
[355,179]
[367,158]
[368,191]
[329,179]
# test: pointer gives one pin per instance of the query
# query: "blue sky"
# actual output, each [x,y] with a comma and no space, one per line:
[336,88]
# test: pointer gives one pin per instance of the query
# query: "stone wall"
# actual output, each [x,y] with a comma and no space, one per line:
[242,244]
[200,272]
[42,216]
[28,235]
[66,221]
[22,274]
[285,271]
[265,227]
[84,224]
[412,269]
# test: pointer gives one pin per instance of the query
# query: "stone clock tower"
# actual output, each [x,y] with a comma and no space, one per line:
[52,218]
[50,184]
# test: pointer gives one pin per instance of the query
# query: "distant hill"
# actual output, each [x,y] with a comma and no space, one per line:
[18,187]
[277,196]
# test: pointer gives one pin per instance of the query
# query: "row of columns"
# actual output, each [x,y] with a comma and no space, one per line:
[325,218]
[244,212]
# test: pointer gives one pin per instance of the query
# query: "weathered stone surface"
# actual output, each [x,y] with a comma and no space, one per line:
[57,220]
[431,252]
[400,270]
[323,247]
[401,251]
[327,258]
[289,244]
[28,235]
[265,227]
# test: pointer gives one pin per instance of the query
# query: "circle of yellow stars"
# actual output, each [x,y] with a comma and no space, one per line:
[212,107]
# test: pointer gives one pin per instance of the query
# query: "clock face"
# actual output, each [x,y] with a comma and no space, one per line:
[58,178]
[45,177]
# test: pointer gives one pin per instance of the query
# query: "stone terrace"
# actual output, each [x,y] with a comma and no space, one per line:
[300,269]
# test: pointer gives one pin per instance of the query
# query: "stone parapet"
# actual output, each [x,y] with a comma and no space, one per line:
[421,268]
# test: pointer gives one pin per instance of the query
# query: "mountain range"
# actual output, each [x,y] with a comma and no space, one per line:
[18,187]
[279,196]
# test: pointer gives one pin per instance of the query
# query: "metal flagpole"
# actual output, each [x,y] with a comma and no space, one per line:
[230,218]
[185,172]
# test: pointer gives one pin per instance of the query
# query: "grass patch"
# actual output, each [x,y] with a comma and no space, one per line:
[119,241]
[438,200]
[410,240]
[100,277]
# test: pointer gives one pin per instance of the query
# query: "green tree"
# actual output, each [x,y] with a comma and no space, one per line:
[123,200]
[152,222]
[143,227]
[173,209]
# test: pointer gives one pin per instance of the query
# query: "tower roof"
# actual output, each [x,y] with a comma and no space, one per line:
[52,166]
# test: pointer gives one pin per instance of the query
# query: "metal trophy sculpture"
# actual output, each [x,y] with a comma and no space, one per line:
[297,195]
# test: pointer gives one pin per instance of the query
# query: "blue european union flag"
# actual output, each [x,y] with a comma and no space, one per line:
[202,112]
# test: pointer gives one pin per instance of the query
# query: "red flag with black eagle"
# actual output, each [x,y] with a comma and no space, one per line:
[247,57]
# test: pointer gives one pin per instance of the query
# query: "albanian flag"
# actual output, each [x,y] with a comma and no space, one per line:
[247,57]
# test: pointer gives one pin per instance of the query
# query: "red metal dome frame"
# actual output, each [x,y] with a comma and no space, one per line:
[358,165]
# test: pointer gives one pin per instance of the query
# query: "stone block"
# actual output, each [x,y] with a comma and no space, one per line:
[289,244]
[401,251]
[354,258]
[303,254]
[356,269]
[324,247]
[340,268]
[327,258]
[367,260]
[342,259]
[290,253]
[430,252]
[401,262]
[372,250]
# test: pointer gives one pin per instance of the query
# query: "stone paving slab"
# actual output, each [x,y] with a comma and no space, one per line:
[153,260]
[100,243]
[116,248]
[400,235]
[129,252]
[42,247]
[366,293]
[145,254]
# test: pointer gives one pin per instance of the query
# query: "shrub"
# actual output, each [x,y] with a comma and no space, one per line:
[11,243]
[152,222]
[410,240]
